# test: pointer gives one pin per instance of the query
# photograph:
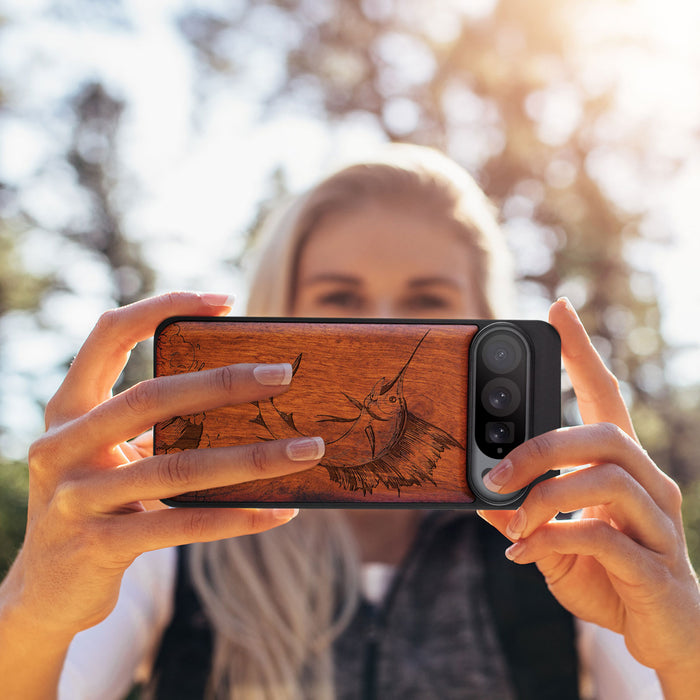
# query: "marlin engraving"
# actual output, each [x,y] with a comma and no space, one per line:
[384,443]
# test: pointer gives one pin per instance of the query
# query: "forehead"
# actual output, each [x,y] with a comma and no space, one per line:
[385,238]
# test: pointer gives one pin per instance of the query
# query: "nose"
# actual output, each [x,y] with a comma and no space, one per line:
[383,308]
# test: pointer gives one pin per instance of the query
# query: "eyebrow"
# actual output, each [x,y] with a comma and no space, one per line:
[350,280]
[433,281]
[333,277]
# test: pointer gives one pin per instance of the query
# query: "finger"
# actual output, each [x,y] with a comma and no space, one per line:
[105,352]
[618,554]
[154,400]
[138,448]
[143,444]
[579,445]
[606,486]
[497,518]
[142,532]
[131,452]
[165,476]
[596,388]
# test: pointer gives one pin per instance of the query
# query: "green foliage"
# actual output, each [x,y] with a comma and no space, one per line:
[18,289]
[691,521]
[14,483]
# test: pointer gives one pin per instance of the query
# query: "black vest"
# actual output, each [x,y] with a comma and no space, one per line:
[534,636]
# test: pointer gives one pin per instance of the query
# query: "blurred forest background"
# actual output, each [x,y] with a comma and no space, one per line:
[580,119]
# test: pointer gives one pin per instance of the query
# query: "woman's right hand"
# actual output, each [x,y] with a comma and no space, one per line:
[88,513]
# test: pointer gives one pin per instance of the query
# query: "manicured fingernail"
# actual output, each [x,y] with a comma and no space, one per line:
[516,525]
[515,550]
[274,375]
[218,299]
[304,449]
[499,476]
[569,306]
[285,513]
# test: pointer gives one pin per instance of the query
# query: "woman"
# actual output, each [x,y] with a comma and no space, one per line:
[412,236]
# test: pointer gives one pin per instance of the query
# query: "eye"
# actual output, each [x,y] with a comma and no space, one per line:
[392,399]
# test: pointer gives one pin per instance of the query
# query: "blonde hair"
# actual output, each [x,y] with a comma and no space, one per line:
[277,600]
[404,175]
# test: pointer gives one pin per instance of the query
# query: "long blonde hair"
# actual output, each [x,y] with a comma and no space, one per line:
[277,600]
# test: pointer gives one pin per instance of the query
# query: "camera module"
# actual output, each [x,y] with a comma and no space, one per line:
[505,359]
[501,394]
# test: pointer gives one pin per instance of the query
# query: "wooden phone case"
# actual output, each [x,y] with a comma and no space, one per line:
[389,398]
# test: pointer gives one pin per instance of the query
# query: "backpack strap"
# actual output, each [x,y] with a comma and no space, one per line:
[536,633]
[183,664]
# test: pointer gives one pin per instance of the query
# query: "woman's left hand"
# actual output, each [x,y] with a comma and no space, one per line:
[623,564]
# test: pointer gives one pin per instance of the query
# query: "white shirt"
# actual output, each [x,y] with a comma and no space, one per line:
[104,661]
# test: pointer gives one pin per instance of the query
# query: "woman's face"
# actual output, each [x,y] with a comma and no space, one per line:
[385,261]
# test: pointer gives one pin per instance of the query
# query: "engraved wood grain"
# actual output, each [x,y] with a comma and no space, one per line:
[389,400]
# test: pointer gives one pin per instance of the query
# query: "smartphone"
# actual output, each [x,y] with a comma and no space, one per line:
[414,413]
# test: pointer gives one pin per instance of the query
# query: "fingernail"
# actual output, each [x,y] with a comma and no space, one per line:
[498,477]
[273,375]
[569,306]
[285,513]
[516,525]
[218,299]
[304,449]
[515,550]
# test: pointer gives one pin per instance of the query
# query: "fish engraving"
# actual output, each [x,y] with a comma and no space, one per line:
[384,443]
[185,432]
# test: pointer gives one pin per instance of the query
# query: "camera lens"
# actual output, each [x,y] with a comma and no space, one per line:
[499,432]
[500,396]
[502,353]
